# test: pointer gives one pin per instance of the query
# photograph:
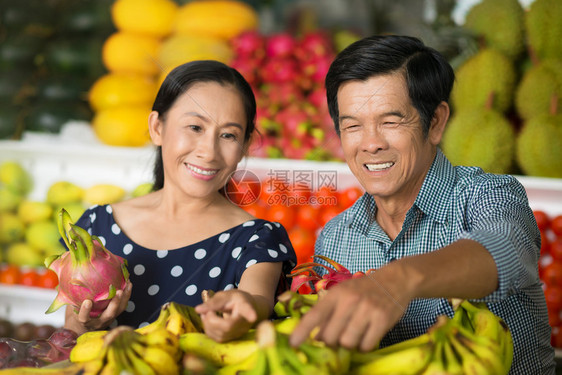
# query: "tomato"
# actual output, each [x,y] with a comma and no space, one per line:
[552,274]
[10,275]
[282,214]
[303,242]
[256,209]
[327,213]
[553,297]
[555,249]
[556,225]
[326,196]
[348,196]
[556,337]
[554,318]
[542,219]
[308,217]
[29,277]
[48,279]
[545,243]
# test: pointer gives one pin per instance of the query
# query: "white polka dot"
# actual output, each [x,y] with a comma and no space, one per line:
[267,225]
[200,253]
[272,253]
[236,252]
[127,249]
[161,253]
[90,231]
[249,223]
[214,272]
[251,263]
[228,287]
[143,324]
[277,224]
[139,269]
[130,306]
[115,229]
[102,239]
[153,289]
[224,237]
[176,271]
[109,209]
[191,290]
[253,238]
[283,248]
[93,217]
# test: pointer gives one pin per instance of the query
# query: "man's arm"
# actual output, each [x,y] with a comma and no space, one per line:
[464,269]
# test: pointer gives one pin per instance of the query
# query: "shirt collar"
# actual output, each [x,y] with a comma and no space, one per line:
[436,188]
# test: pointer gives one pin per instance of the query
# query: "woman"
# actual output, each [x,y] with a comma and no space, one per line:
[186,236]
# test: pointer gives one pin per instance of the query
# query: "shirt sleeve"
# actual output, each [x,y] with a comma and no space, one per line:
[268,243]
[501,220]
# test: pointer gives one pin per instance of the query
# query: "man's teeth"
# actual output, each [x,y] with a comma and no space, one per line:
[201,171]
[378,167]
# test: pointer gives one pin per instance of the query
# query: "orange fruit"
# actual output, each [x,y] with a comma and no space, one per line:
[121,89]
[122,126]
[131,53]
[146,17]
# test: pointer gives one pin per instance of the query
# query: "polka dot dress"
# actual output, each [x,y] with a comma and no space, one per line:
[216,263]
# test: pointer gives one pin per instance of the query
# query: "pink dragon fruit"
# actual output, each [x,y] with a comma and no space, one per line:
[87,271]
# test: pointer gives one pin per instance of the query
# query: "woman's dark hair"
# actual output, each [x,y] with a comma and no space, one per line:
[181,78]
[428,75]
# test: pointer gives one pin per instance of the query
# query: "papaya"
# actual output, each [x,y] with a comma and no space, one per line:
[49,116]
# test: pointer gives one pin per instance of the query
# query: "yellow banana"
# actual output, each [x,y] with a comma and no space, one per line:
[164,339]
[454,366]
[158,323]
[88,348]
[324,356]
[260,366]
[507,350]
[90,335]
[358,358]
[183,319]
[195,365]
[407,361]
[471,364]
[221,354]
[286,325]
[436,365]
[239,367]
[487,351]
[112,365]
[135,355]
[161,361]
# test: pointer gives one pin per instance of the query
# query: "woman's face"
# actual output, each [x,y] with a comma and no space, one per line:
[202,138]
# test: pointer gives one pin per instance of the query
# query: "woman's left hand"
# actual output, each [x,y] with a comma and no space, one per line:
[228,314]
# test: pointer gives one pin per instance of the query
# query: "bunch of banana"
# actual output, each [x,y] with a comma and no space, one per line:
[294,304]
[275,356]
[176,318]
[124,350]
[194,365]
[474,341]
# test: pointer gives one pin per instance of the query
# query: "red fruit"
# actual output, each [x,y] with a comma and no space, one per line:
[280,70]
[553,297]
[257,210]
[282,214]
[29,278]
[542,219]
[327,213]
[555,249]
[283,94]
[545,243]
[317,98]
[313,45]
[248,67]
[48,279]
[243,188]
[552,274]
[303,242]
[249,44]
[554,318]
[308,217]
[280,46]
[292,119]
[348,196]
[556,225]
[87,271]
[10,274]
[317,69]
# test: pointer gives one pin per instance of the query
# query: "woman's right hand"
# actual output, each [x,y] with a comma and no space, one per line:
[81,321]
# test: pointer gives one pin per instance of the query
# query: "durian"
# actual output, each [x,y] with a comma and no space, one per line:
[543,26]
[487,71]
[536,88]
[501,25]
[480,137]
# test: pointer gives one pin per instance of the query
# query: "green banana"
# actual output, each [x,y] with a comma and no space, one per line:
[436,365]
[112,365]
[260,366]
[471,364]
[454,366]
[221,354]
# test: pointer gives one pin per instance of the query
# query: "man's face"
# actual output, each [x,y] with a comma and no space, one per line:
[382,137]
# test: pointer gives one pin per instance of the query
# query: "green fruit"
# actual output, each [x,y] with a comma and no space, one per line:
[10,122]
[9,199]
[11,228]
[50,116]
[22,254]
[103,194]
[544,29]
[537,87]
[142,189]
[43,235]
[59,87]
[75,210]
[482,138]
[500,23]
[539,146]
[62,193]
[489,71]
[87,17]
[15,177]
[75,56]
[32,211]
[19,51]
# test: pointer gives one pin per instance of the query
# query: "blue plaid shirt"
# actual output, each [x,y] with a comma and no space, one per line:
[456,203]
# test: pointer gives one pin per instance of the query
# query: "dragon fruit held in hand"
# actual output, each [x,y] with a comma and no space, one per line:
[88,271]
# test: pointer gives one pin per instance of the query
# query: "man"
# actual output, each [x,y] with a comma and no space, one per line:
[433,231]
